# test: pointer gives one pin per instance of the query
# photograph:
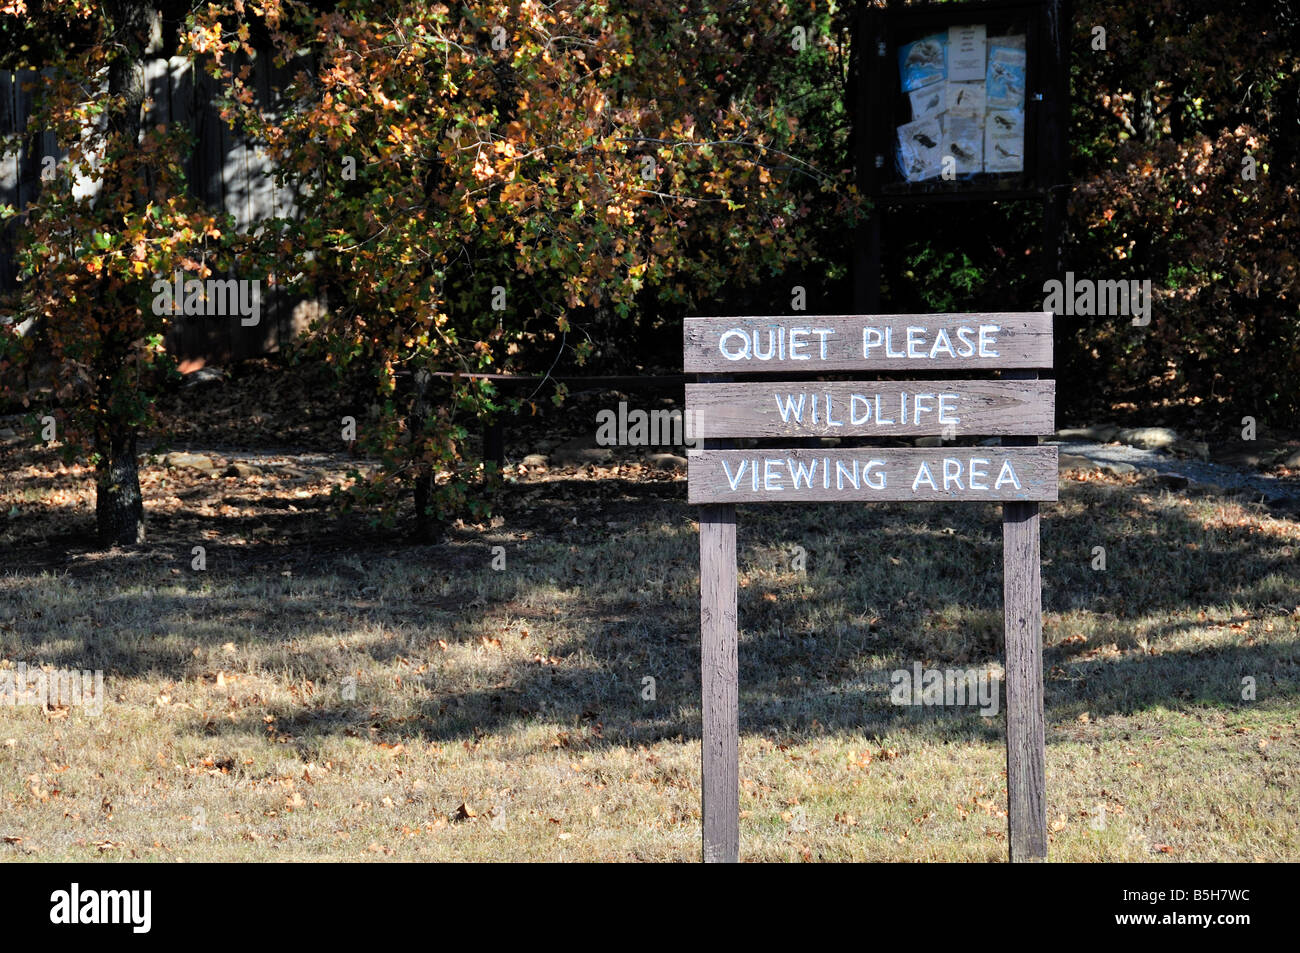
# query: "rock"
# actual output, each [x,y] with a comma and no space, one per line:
[1255,453]
[666,461]
[1100,433]
[1072,461]
[7,433]
[1117,469]
[190,461]
[204,375]
[535,460]
[238,469]
[578,452]
[991,442]
[1193,448]
[928,441]
[1172,481]
[1246,458]
[1148,438]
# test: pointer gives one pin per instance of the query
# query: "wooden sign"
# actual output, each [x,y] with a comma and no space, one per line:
[1019,474]
[953,475]
[872,409]
[878,342]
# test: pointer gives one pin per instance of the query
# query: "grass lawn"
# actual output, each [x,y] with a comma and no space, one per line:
[320,692]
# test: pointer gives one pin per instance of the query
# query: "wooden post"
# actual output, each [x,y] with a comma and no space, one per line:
[1023,615]
[719,676]
[1054,133]
[719,685]
[868,66]
[494,443]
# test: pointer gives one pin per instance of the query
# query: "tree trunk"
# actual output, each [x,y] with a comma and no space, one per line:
[119,506]
[426,523]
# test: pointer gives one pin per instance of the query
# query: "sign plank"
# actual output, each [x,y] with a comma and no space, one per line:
[871,342]
[873,474]
[872,409]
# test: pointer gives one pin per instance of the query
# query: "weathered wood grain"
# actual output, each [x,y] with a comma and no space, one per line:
[181,87]
[29,160]
[719,678]
[883,474]
[719,685]
[157,85]
[1023,628]
[872,408]
[766,345]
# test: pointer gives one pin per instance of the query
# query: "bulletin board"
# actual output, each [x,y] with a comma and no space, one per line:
[963,101]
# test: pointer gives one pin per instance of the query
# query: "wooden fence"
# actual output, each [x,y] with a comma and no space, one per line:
[227,172]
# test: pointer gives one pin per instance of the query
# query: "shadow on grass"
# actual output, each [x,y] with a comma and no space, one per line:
[885,586]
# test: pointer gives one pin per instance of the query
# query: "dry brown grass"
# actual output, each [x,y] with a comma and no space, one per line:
[499,715]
